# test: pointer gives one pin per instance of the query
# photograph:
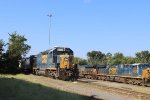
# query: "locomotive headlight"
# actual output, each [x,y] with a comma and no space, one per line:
[66,59]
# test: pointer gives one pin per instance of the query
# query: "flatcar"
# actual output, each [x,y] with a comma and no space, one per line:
[136,74]
[56,63]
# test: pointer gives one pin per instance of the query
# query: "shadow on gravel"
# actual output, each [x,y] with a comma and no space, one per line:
[15,89]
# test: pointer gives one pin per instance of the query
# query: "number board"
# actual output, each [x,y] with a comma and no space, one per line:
[60,49]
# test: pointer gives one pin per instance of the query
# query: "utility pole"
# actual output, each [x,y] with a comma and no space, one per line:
[49,15]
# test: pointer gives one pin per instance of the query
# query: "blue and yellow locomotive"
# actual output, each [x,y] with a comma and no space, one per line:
[138,73]
[56,63]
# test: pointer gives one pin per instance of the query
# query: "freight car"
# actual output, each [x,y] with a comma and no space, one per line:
[138,74]
[56,63]
[91,71]
[26,64]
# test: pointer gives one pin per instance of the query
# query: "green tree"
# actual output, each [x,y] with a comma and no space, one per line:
[96,57]
[143,56]
[17,48]
[128,60]
[83,62]
[117,59]
[1,48]
[80,61]
[108,58]
[2,57]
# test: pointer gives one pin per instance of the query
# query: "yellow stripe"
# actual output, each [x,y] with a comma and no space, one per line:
[51,68]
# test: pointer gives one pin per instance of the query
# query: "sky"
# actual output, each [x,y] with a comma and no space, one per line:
[83,25]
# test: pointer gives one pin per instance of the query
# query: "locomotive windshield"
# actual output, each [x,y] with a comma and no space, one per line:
[64,51]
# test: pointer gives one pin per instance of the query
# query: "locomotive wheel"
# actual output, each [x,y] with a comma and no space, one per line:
[139,83]
[107,78]
[36,72]
[104,78]
[62,75]
[94,77]
[134,81]
[46,73]
[143,84]
[86,76]
[100,77]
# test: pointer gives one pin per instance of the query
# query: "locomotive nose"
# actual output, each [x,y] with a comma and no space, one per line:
[148,72]
[66,61]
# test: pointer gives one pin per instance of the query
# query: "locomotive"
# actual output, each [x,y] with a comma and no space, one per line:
[136,74]
[56,63]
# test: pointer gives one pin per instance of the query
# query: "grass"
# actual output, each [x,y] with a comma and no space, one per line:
[12,88]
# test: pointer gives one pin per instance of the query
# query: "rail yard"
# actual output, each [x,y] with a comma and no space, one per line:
[75,50]
[120,82]
[97,82]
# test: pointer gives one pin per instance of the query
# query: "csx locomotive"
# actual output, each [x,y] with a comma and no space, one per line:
[138,74]
[56,63]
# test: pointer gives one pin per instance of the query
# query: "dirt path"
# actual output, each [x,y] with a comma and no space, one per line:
[75,87]
[136,88]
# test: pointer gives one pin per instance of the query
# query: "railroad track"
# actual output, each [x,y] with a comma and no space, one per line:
[129,92]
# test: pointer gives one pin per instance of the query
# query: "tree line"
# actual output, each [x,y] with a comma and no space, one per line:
[12,52]
[100,58]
